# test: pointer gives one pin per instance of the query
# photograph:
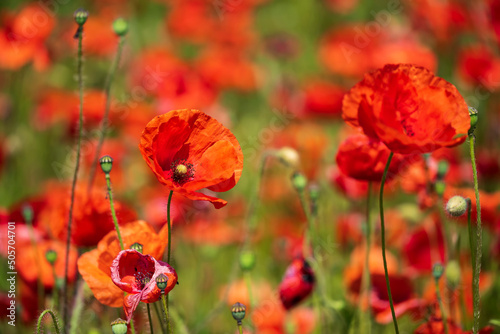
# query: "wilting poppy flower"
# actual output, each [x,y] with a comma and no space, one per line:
[408,108]
[136,274]
[94,266]
[297,284]
[364,158]
[188,150]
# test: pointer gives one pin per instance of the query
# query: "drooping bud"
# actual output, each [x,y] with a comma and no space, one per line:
[247,260]
[288,156]
[51,256]
[299,181]
[119,326]
[106,164]
[161,282]
[120,27]
[456,206]
[80,16]
[473,119]
[137,247]
[437,271]
[452,273]
[238,310]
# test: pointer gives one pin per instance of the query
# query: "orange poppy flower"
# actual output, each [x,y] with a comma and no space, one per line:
[94,266]
[348,186]
[478,65]
[136,274]
[91,214]
[188,150]
[402,106]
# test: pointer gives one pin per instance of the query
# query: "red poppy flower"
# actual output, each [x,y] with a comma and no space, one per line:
[478,65]
[297,283]
[364,158]
[188,150]
[408,108]
[94,266]
[136,274]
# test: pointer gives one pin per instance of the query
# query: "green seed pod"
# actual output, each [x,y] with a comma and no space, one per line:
[456,206]
[51,256]
[161,282]
[299,181]
[473,119]
[120,27]
[238,310]
[452,273]
[440,187]
[106,163]
[137,247]
[247,260]
[437,271]
[81,16]
[119,326]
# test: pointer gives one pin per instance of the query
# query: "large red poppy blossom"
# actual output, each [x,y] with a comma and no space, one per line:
[364,158]
[189,150]
[297,284]
[408,108]
[136,274]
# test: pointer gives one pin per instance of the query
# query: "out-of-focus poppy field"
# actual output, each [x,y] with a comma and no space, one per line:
[250,166]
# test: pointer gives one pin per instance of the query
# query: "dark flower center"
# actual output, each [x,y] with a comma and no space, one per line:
[182,171]
[142,278]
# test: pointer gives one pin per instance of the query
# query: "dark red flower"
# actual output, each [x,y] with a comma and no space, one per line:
[188,150]
[408,108]
[297,284]
[136,274]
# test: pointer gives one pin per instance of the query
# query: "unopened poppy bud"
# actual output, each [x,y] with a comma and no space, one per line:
[299,181]
[288,156]
[452,273]
[238,310]
[440,187]
[106,163]
[247,260]
[442,169]
[51,256]
[120,27]
[473,119]
[81,16]
[27,212]
[119,326]
[437,271]
[456,206]
[137,247]
[314,192]
[161,282]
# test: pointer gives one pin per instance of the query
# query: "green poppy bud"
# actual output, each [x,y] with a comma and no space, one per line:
[247,260]
[161,282]
[238,310]
[51,256]
[137,247]
[456,206]
[119,326]
[473,119]
[437,271]
[299,181]
[81,16]
[452,273]
[120,27]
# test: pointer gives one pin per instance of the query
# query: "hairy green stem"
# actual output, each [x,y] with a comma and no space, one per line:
[164,300]
[113,212]
[158,315]
[105,118]
[382,234]
[169,225]
[54,320]
[150,320]
[77,308]
[479,240]
[365,323]
[75,177]
[441,307]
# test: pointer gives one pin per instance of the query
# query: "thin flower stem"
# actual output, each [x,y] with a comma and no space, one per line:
[382,234]
[248,281]
[164,300]
[75,177]
[132,327]
[169,225]
[105,118]
[77,308]
[471,236]
[240,328]
[54,320]
[150,320]
[441,307]
[158,315]
[479,239]
[180,325]
[365,325]
[55,294]
[31,230]
[113,213]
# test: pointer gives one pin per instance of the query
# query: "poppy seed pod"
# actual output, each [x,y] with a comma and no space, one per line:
[81,16]
[119,326]
[106,163]
[137,246]
[161,282]
[473,119]
[51,256]
[238,310]
[456,206]
[437,271]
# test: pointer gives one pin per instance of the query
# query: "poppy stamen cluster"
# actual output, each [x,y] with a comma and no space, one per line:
[182,171]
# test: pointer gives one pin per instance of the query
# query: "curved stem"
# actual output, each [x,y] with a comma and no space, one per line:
[105,118]
[169,225]
[113,213]
[54,320]
[479,240]
[75,177]
[382,233]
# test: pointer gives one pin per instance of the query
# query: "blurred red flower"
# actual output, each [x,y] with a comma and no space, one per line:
[402,105]
[188,150]
[478,65]
[136,274]
[94,266]
[297,284]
